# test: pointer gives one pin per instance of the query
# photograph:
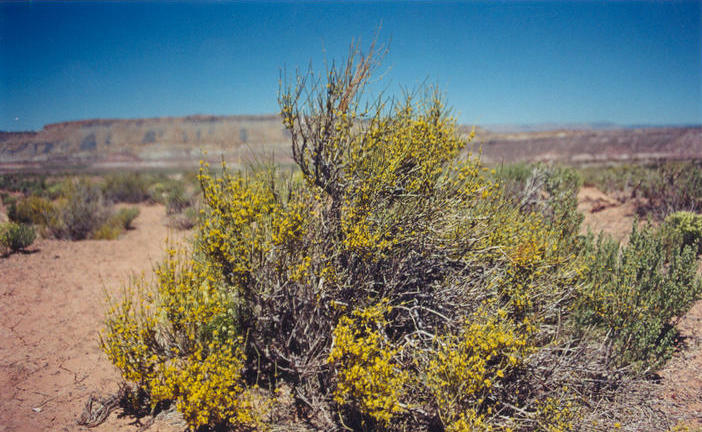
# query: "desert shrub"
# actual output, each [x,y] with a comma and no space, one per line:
[389,283]
[635,293]
[116,224]
[687,225]
[129,187]
[125,216]
[345,280]
[513,178]
[674,186]
[107,231]
[82,210]
[27,184]
[623,181]
[186,219]
[176,199]
[16,236]
[33,210]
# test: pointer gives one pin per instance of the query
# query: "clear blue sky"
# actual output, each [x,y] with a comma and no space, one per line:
[496,61]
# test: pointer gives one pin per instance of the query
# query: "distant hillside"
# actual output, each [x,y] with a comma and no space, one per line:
[142,143]
[184,141]
[593,145]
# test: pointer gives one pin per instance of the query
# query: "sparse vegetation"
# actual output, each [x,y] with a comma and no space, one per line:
[675,186]
[116,224]
[660,189]
[128,187]
[76,208]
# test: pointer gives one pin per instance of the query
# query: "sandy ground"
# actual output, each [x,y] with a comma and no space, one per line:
[51,307]
[52,304]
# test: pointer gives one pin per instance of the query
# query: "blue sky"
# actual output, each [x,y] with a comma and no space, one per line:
[512,62]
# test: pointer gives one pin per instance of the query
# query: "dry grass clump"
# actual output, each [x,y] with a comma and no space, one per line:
[389,283]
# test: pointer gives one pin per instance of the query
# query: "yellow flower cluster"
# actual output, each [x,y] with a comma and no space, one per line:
[161,337]
[187,297]
[555,415]
[467,368]
[367,376]
[129,334]
[207,387]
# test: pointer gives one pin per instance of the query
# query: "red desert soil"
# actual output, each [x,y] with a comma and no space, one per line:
[52,305]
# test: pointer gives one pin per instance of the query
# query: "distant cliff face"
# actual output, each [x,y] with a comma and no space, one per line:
[588,146]
[173,141]
[184,141]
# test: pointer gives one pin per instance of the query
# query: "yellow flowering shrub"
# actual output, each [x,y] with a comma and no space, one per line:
[171,338]
[367,374]
[388,283]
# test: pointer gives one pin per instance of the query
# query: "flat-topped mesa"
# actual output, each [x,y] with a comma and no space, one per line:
[167,142]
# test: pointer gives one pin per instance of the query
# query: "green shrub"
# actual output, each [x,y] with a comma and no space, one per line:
[110,230]
[127,187]
[33,210]
[126,216]
[688,225]
[674,186]
[177,199]
[83,210]
[623,181]
[16,237]
[116,224]
[634,294]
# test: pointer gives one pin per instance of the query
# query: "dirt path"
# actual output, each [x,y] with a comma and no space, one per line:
[51,307]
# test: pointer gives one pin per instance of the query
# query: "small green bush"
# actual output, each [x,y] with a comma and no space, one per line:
[16,237]
[126,216]
[674,186]
[634,293]
[83,210]
[107,231]
[622,181]
[688,225]
[177,199]
[33,210]
[116,224]
[127,187]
